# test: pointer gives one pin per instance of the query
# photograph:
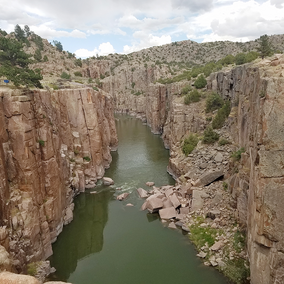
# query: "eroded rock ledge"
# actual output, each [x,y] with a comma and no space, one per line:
[52,146]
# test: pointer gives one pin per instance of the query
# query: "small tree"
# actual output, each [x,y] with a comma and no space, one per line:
[58,45]
[265,46]
[37,55]
[19,33]
[27,30]
[200,82]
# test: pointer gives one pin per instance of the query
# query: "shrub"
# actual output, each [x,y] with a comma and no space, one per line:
[189,144]
[64,75]
[185,90]
[221,116]
[78,74]
[86,158]
[223,142]
[200,82]
[210,136]
[45,58]
[237,154]
[102,76]
[76,151]
[41,143]
[240,58]
[95,88]
[213,102]
[132,85]
[192,97]
[37,55]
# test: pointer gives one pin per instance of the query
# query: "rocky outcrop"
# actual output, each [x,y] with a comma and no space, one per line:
[52,146]
[256,123]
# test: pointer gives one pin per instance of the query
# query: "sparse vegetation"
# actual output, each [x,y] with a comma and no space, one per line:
[78,74]
[223,142]
[87,158]
[32,269]
[41,143]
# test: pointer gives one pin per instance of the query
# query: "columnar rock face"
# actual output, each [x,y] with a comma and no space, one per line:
[52,145]
[257,120]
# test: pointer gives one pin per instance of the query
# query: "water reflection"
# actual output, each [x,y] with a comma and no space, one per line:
[91,216]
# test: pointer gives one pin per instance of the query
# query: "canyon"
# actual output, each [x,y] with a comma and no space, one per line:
[56,143]
[53,146]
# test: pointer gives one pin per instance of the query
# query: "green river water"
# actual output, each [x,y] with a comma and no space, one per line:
[108,242]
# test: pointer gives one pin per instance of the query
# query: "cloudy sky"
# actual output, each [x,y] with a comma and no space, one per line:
[90,27]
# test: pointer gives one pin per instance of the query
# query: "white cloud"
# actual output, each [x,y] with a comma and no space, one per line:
[49,33]
[193,5]
[104,49]
[145,41]
[277,3]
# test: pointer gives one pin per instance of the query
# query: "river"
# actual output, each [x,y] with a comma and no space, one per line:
[109,242]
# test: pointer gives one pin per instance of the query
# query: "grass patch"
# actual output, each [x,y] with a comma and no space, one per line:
[32,269]
[237,270]
[189,144]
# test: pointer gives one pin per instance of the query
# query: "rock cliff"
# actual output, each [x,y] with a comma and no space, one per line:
[256,123]
[52,146]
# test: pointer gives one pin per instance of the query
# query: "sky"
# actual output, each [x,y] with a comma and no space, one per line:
[91,27]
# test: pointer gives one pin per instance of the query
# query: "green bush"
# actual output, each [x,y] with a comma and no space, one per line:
[210,136]
[78,74]
[189,144]
[200,82]
[41,143]
[185,90]
[37,55]
[237,154]
[86,158]
[192,97]
[64,75]
[95,88]
[45,58]
[223,142]
[213,102]
[240,58]
[221,115]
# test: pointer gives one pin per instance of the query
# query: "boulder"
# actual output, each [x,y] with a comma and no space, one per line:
[172,225]
[217,246]
[169,192]
[167,203]
[197,199]
[122,196]
[144,206]
[212,214]
[12,278]
[142,192]
[219,158]
[208,177]
[107,181]
[150,183]
[154,204]
[167,213]
[175,201]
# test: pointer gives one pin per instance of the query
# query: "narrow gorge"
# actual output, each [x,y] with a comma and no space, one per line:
[56,143]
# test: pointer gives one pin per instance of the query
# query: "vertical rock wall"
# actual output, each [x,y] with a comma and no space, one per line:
[257,121]
[52,146]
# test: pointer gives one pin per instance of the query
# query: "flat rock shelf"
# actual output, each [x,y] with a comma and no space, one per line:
[110,242]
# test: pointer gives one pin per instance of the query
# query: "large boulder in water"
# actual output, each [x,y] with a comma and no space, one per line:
[107,181]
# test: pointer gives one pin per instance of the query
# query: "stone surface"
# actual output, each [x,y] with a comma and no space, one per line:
[167,213]
[208,177]
[108,181]
[154,204]
[142,192]
[43,140]
[12,278]
[122,196]
[217,246]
